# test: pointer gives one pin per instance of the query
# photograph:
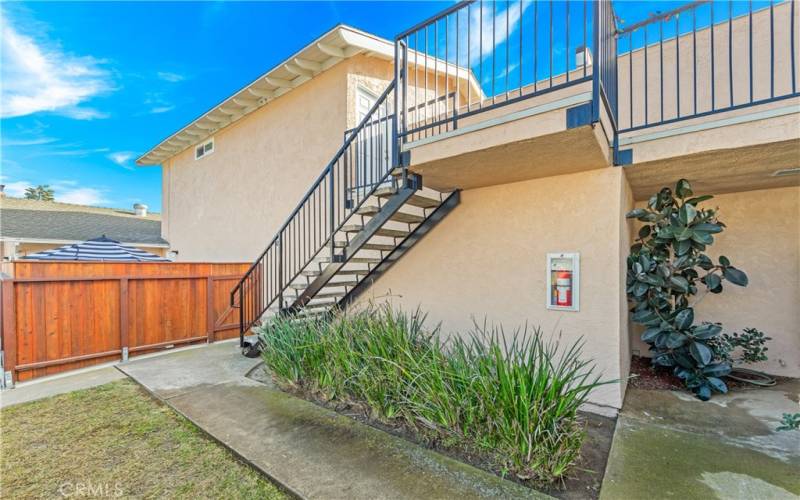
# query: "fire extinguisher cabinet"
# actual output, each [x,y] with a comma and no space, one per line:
[563,281]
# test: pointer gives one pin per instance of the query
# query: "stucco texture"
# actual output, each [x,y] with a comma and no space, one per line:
[487,261]
[229,204]
[762,238]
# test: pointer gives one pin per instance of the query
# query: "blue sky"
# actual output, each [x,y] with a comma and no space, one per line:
[88,87]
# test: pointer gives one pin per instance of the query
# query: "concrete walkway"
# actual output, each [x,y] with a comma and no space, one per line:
[671,445]
[311,451]
[59,384]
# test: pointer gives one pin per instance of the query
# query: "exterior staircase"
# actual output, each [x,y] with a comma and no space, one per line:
[359,217]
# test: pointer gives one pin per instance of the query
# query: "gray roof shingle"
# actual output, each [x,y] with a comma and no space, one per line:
[27,219]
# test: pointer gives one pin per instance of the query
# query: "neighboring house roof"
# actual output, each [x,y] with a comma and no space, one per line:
[332,47]
[50,221]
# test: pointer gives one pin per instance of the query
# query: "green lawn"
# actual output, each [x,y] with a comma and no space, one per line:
[115,440]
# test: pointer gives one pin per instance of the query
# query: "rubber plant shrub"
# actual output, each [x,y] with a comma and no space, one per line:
[667,267]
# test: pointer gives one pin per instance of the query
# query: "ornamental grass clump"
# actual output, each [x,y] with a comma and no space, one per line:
[513,399]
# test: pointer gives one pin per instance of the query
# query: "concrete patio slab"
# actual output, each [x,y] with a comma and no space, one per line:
[59,384]
[668,444]
[311,451]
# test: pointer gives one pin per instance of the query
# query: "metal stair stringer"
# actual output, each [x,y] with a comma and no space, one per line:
[447,206]
[393,204]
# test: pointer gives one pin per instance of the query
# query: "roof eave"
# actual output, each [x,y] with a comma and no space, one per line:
[337,44]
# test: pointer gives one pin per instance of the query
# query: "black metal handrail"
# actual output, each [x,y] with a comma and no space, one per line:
[366,157]
[703,58]
[489,54]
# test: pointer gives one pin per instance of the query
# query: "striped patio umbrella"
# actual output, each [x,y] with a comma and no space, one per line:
[98,249]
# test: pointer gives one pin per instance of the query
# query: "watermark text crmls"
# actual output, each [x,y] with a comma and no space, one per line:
[88,489]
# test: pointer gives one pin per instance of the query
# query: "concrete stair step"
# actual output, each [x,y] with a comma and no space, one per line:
[416,200]
[354,260]
[341,272]
[319,305]
[372,210]
[391,233]
[384,247]
[331,284]
[325,295]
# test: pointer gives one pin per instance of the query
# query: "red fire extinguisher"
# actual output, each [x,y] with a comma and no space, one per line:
[564,288]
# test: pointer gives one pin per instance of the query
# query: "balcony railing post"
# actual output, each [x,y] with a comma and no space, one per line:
[241,314]
[395,130]
[281,284]
[597,62]
[331,211]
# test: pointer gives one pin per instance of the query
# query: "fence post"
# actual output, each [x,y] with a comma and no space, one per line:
[9,332]
[210,308]
[123,318]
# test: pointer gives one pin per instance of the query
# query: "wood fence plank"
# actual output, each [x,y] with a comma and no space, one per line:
[61,316]
[123,317]
[9,326]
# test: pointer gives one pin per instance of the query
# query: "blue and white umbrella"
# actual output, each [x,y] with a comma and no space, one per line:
[98,249]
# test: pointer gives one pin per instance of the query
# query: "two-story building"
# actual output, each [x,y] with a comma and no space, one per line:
[480,166]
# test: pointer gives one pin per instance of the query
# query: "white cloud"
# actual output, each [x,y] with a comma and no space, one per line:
[157,103]
[73,152]
[81,196]
[168,76]
[17,189]
[122,158]
[38,141]
[161,109]
[39,76]
[66,191]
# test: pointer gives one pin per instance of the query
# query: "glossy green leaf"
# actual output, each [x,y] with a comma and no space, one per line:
[687,213]
[704,392]
[713,281]
[683,189]
[708,227]
[706,331]
[650,334]
[636,213]
[675,340]
[699,199]
[717,370]
[700,352]
[735,276]
[684,319]
[717,384]
[679,283]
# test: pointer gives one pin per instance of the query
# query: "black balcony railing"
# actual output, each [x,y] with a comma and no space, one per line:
[706,57]
[477,55]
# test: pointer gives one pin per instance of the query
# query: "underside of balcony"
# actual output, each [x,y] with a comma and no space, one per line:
[756,147]
[524,138]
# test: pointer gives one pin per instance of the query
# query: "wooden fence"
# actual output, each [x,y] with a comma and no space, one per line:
[59,316]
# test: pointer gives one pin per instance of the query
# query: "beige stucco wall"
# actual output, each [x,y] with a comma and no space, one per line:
[487,259]
[228,205]
[763,239]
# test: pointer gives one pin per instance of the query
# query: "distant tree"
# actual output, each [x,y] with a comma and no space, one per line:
[40,192]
